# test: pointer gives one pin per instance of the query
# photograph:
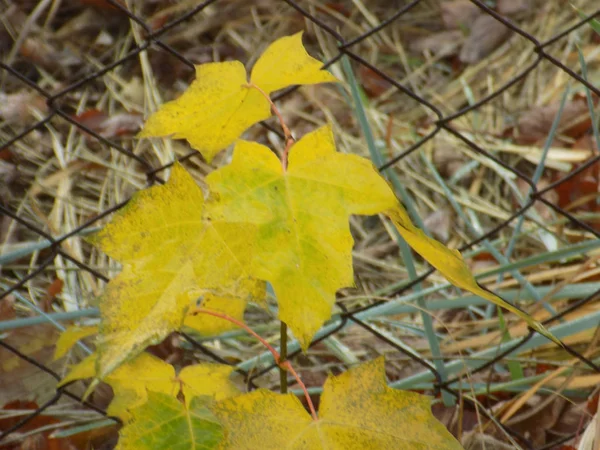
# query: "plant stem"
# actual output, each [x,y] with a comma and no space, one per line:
[289,139]
[282,364]
[283,387]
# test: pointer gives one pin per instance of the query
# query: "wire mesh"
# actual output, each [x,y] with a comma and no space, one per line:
[153,36]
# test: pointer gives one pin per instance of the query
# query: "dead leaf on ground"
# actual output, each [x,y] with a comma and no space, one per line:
[586,142]
[580,192]
[42,53]
[438,223]
[19,107]
[508,7]
[447,159]
[480,441]
[486,35]
[373,83]
[542,209]
[533,126]
[110,126]
[43,440]
[21,380]
[442,44]
[459,14]
[536,420]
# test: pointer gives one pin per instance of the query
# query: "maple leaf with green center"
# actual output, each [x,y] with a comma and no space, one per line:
[357,410]
[171,255]
[303,244]
[131,381]
[145,373]
[163,422]
[220,104]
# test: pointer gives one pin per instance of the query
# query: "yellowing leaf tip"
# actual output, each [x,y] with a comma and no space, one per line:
[285,63]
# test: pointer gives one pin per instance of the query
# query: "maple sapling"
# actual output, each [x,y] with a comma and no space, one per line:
[261,219]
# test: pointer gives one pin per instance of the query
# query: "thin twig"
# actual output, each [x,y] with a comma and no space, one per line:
[283,364]
[289,139]
[283,387]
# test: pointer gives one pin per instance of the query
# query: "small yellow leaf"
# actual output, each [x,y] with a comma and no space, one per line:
[220,105]
[210,326]
[171,255]
[303,243]
[451,264]
[86,368]
[284,63]
[130,382]
[357,411]
[146,373]
[207,379]
[213,112]
[70,336]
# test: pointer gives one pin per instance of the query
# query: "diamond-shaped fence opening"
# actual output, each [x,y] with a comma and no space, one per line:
[483,116]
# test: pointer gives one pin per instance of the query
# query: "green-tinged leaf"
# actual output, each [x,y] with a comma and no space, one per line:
[594,23]
[514,367]
[163,422]
[131,382]
[303,244]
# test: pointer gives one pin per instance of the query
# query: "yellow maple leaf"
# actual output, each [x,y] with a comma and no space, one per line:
[357,410]
[171,255]
[220,104]
[130,382]
[207,379]
[304,244]
[207,325]
[70,336]
[145,373]
[451,264]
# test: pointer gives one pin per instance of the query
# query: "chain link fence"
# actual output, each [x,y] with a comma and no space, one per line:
[62,126]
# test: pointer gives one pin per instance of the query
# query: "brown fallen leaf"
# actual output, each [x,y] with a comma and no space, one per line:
[459,14]
[508,7]
[533,126]
[542,209]
[40,52]
[442,44]
[38,432]
[438,223]
[21,380]
[373,84]
[120,124]
[486,35]
[19,107]
[480,441]
[446,159]
[52,291]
